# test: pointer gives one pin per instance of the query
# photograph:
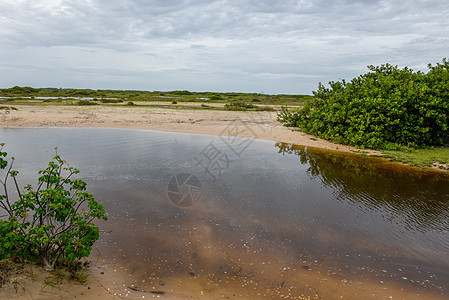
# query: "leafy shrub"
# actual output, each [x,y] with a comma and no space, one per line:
[130,103]
[7,108]
[52,223]
[241,106]
[387,108]
[238,106]
[181,93]
[86,102]
[290,118]
[111,101]
[174,102]
[215,97]
[82,93]
[52,100]
[20,90]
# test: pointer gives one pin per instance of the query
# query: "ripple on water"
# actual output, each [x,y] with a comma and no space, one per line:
[280,220]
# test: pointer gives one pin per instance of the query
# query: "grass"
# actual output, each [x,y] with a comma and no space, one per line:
[235,106]
[8,108]
[241,106]
[14,271]
[79,277]
[86,102]
[111,101]
[58,276]
[155,99]
[7,266]
[31,272]
[421,158]
[55,279]
[9,271]
[26,94]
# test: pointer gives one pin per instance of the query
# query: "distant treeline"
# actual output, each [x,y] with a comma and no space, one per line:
[180,95]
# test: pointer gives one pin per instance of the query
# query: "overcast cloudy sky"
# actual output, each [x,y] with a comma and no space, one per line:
[261,46]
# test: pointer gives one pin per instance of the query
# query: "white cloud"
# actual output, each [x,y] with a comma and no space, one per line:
[229,45]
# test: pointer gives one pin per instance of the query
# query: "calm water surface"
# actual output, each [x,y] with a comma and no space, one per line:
[273,220]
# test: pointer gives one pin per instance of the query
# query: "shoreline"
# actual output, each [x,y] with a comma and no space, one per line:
[260,125]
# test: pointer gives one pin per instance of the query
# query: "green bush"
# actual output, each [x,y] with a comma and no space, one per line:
[7,108]
[215,97]
[387,108]
[86,102]
[111,101]
[52,100]
[82,93]
[181,93]
[20,90]
[237,106]
[50,224]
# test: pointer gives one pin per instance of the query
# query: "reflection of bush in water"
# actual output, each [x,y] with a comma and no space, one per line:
[420,197]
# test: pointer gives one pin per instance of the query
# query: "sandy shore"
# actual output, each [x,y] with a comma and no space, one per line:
[262,125]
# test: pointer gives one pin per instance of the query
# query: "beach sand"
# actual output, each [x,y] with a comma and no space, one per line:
[262,125]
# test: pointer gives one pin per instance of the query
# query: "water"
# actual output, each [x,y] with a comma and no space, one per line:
[272,219]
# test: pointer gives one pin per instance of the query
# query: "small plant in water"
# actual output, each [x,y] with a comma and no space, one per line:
[79,277]
[52,223]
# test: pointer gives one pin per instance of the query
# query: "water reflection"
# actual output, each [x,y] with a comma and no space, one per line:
[420,199]
[321,226]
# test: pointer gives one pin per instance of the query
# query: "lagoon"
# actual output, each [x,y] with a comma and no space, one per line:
[201,215]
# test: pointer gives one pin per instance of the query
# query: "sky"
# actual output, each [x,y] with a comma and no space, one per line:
[257,46]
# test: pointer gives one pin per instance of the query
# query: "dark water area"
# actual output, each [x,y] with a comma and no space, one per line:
[268,219]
